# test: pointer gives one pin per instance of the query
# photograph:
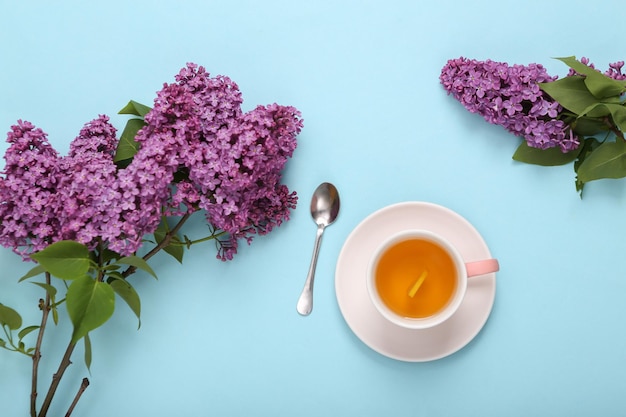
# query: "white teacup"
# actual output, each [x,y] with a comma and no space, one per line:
[417,279]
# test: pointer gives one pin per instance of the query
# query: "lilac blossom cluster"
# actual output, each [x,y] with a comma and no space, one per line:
[28,190]
[509,96]
[229,162]
[89,203]
[198,151]
[46,198]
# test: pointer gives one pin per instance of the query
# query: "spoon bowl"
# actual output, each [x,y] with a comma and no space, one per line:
[324,211]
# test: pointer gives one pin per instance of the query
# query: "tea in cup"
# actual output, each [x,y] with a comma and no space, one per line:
[417,279]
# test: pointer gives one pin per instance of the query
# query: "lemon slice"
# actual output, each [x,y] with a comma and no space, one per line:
[417,284]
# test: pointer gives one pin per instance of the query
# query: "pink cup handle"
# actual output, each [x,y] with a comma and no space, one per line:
[483,267]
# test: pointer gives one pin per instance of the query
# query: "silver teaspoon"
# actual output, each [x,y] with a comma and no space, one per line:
[324,210]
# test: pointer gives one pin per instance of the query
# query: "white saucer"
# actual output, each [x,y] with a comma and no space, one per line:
[369,325]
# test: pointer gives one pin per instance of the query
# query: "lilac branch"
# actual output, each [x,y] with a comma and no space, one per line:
[162,244]
[45,311]
[56,379]
[210,156]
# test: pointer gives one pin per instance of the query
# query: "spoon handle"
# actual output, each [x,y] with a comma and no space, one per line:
[305,302]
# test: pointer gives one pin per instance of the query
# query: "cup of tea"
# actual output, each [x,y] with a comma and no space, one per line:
[417,279]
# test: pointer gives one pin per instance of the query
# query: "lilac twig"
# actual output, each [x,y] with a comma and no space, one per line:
[164,243]
[83,386]
[45,310]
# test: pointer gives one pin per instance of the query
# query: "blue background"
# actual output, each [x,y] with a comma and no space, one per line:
[224,338]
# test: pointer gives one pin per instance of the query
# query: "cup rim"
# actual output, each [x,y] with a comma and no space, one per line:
[442,315]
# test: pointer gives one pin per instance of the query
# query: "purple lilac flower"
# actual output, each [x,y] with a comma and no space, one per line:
[93,207]
[46,198]
[231,162]
[509,96]
[615,71]
[198,151]
[28,189]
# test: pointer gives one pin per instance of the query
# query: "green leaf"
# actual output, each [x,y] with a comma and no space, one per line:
[137,262]
[25,331]
[10,317]
[588,146]
[128,294]
[596,110]
[52,291]
[108,255]
[571,93]
[598,84]
[606,161]
[618,113]
[135,108]
[127,146]
[90,303]
[65,259]
[111,268]
[55,314]
[174,249]
[88,352]
[37,270]
[543,157]
[585,126]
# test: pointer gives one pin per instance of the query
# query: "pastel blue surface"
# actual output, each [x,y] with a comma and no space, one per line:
[224,339]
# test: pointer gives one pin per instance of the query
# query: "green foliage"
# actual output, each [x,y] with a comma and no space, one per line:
[10,322]
[88,354]
[136,109]
[599,85]
[571,93]
[26,330]
[597,114]
[128,146]
[90,303]
[587,147]
[65,259]
[129,295]
[10,318]
[137,262]
[585,126]
[90,299]
[607,161]
[175,247]
[37,270]
[545,157]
